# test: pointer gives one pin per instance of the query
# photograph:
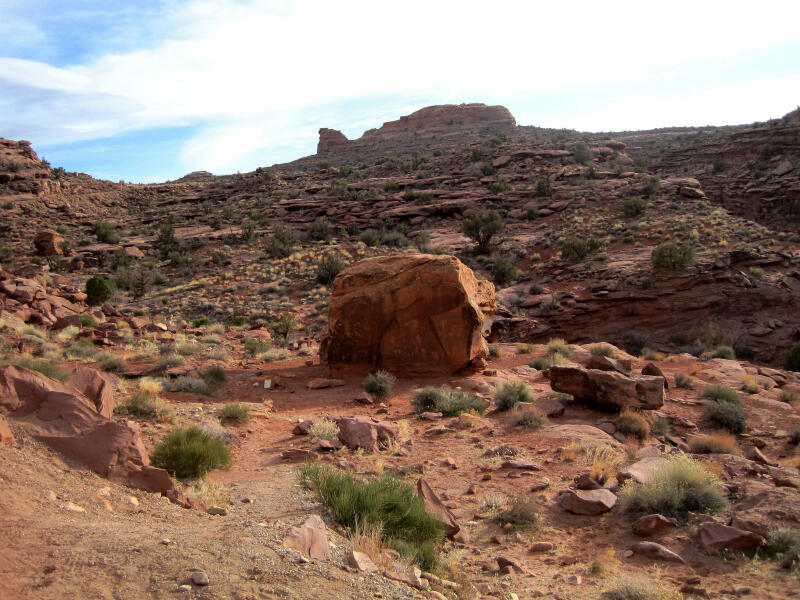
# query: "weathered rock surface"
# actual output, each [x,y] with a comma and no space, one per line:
[48,243]
[606,389]
[310,539]
[651,525]
[715,537]
[587,502]
[410,315]
[655,551]
[366,433]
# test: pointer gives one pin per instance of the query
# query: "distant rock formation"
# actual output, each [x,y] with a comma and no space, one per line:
[425,129]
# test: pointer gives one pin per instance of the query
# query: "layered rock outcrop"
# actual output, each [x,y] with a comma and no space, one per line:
[411,315]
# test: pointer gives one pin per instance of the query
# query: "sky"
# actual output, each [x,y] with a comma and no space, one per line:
[150,90]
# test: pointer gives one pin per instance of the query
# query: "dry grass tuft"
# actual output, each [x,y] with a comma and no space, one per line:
[713,443]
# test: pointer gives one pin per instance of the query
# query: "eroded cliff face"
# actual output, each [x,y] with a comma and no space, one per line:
[752,171]
[428,128]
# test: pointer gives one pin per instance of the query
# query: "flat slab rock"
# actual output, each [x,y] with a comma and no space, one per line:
[651,525]
[310,539]
[587,502]
[641,471]
[608,389]
[715,537]
[654,551]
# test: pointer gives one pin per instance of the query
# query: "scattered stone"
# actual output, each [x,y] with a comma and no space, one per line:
[430,416]
[655,551]
[310,539]
[587,502]
[299,455]
[366,433]
[756,455]
[641,471]
[521,464]
[217,511]
[200,578]
[503,562]
[185,588]
[715,537]
[6,437]
[651,369]
[362,562]
[606,389]
[651,525]
[302,428]
[541,547]
[606,363]
[586,482]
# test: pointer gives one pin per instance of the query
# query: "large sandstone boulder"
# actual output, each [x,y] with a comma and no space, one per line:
[608,389]
[411,315]
[47,243]
[66,419]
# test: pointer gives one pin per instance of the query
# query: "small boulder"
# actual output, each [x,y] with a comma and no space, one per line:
[606,389]
[310,539]
[48,243]
[606,363]
[587,502]
[715,537]
[651,525]
[642,470]
[655,551]
[6,437]
[651,369]
[362,562]
[366,433]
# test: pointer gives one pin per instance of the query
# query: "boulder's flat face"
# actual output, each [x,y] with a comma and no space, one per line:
[608,389]
[410,315]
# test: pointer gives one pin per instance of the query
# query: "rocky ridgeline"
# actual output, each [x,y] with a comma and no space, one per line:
[752,171]
[422,131]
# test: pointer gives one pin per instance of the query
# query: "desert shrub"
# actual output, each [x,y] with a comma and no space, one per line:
[189,385]
[510,393]
[670,255]
[601,350]
[324,429]
[528,418]
[499,186]
[111,362]
[45,367]
[214,378]
[379,384]
[495,352]
[604,461]
[749,384]
[634,206]
[395,239]
[578,249]
[200,322]
[145,404]
[788,397]
[82,349]
[683,381]
[450,403]
[190,453]
[235,411]
[482,227]
[632,423]
[559,346]
[320,230]
[283,327]
[724,352]
[661,426]
[542,363]
[168,362]
[651,187]
[329,267]
[581,153]
[721,393]
[522,513]
[282,241]
[532,213]
[794,437]
[98,290]
[385,502]
[713,443]
[524,349]
[88,321]
[640,589]
[370,237]
[793,358]
[504,272]
[105,233]
[783,544]
[731,416]
[253,347]
[678,486]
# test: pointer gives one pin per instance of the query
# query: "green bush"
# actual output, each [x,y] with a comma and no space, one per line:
[639,589]
[282,241]
[677,487]
[253,347]
[683,381]
[577,249]
[661,426]
[724,352]
[98,290]
[190,453]
[370,237]
[581,153]
[634,206]
[523,513]
[320,230]
[651,187]
[729,415]
[504,272]
[722,393]
[189,385]
[528,417]
[111,362]
[214,377]
[482,227]
[783,544]
[670,255]
[168,362]
[602,350]
[559,346]
[793,358]
[450,403]
[379,384]
[510,393]
[386,503]
[45,367]
[632,423]
[105,233]
[495,352]
[235,411]
[329,267]
[88,321]
[283,327]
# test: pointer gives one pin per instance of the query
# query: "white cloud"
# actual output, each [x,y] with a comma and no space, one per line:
[239,67]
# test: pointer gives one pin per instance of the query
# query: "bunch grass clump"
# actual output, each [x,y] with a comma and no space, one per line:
[630,422]
[559,346]
[379,384]
[190,453]
[678,486]
[384,502]
[528,418]
[713,443]
[235,411]
[522,513]
[510,393]
[724,407]
[450,403]
[324,429]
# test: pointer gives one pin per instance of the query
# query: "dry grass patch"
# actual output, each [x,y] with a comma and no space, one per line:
[714,443]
